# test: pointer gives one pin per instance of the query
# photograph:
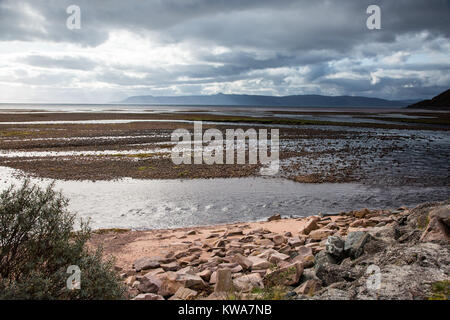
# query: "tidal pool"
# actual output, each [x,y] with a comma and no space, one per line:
[154,204]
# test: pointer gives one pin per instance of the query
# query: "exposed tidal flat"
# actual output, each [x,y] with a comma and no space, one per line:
[113,162]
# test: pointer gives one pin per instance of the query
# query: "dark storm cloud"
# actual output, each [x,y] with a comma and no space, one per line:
[257,23]
[312,38]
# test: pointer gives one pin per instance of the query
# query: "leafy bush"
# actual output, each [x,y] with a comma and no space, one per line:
[38,243]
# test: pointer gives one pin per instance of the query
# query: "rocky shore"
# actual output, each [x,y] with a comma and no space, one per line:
[362,254]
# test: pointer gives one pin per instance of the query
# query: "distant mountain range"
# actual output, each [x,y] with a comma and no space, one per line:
[440,102]
[258,100]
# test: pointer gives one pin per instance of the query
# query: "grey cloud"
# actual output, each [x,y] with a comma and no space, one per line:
[67,62]
[290,24]
[325,36]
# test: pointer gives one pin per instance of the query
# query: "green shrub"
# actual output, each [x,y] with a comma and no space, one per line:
[38,243]
[440,290]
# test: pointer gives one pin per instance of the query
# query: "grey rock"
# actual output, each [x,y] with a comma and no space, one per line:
[146,263]
[355,242]
[407,269]
[184,294]
[173,266]
[224,281]
[443,214]
[332,273]
[191,281]
[149,284]
[274,217]
[323,257]
[334,245]
[244,262]
[148,296]
[248,282]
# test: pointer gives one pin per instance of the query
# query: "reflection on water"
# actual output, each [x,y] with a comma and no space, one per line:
[149,204]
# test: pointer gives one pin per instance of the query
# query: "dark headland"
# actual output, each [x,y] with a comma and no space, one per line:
[440,102]
[261,100]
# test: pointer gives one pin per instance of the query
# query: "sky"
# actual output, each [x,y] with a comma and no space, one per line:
[185,47]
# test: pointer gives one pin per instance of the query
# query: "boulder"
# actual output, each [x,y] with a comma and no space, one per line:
[227,265]
[274,217]
[213,278]
[442,214]
[248,282]
[335,246]
[169,284]
[224,282]
[267,253]
[278,240]
[288,275]
[264,242]
[184,294]
[259,263]
[146,263]
[186,270]
[307,261]
[296,242]
[315,247]
[381,219]
[309,287]
[286,249]
[219,253]
[361,213]
[191,281]
[355,242]
[305,256]
[195,249]
[320,234]
[332,226]
[220,244]
[310,225]
[247,239]
[304,251]
[155,272]
[437,229]
[148,296]
[149,284]
[205,274]
[236,269]
[233,232]
[323,257]
[172,266]
[358,223]
[244,262]
[180,254]
[277,257]
[331,273]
